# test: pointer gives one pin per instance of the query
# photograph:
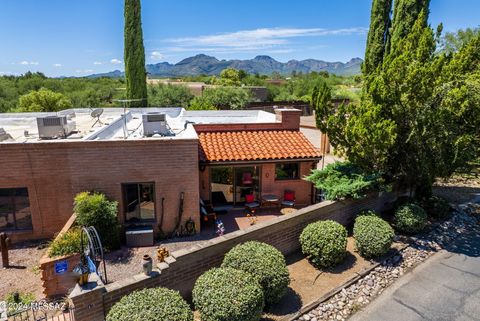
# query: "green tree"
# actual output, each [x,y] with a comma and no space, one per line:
[43,100]
[452,42]
[167,95]
[230,77]
[377,35]
[405,14]
[419,116]
[235,98]
[134,55]
[321,103]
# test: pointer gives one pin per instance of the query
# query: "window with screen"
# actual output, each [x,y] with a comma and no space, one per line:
[284,171]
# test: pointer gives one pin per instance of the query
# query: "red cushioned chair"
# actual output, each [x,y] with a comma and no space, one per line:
[251,204]
[288,199]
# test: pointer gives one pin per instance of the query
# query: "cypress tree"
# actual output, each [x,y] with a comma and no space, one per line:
[405,14]
[321,100]
[134,54]
[377,35]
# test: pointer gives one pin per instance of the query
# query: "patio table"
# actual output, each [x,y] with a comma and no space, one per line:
[270,199]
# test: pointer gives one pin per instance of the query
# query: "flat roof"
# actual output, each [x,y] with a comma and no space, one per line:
[120,124]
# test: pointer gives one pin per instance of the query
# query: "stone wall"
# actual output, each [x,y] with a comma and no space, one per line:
[183,267]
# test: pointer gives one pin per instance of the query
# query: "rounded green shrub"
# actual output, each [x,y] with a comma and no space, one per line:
[437,207]
[156,304]
[324,243]
[368,213]
[265,263]
[410,218]
[94,209]
[373,236]
[227,294]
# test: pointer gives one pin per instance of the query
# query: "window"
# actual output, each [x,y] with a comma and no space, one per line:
[139,202]
[15,209]
[287,171]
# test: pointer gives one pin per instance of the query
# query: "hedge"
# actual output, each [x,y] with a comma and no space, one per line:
[156,304]
[265,263]
[227,294]
[373,236]
[324,243]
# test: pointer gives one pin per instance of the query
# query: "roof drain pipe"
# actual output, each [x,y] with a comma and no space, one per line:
[160,225]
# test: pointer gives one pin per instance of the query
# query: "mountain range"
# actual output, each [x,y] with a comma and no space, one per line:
[264,65]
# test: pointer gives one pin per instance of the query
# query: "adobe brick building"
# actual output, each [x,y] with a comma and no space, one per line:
[145,159]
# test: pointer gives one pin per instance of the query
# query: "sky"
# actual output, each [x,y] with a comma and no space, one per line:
[76,38]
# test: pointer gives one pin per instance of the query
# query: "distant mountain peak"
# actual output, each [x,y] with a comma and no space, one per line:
[202,64]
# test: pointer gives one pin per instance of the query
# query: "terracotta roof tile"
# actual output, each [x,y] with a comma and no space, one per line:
[255,145]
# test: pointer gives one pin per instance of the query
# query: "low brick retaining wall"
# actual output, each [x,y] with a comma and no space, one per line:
[183,267]
[57,276]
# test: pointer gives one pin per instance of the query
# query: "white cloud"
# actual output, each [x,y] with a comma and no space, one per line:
[26,63]
[256,39]
[97,63]
[115,61]
[57,65]
[156,55]
[84,71]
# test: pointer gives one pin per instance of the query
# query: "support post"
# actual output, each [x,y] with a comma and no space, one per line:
[4,246]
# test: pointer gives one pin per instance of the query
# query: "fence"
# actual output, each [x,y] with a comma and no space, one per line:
[183,267]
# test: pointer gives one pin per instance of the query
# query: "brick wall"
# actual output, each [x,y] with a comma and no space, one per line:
[55,171]
[183,267]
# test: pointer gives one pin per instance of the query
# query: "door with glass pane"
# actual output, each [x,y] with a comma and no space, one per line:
[247,181]
[139,200]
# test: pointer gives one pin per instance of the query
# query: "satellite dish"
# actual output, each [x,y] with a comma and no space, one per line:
[96,113]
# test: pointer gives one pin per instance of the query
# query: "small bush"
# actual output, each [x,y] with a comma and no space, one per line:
[373,236]
[324,243]
[368,213]
[222,294]
[94,209]
[410,219]
[437,207]
[157,304]
[343,180]
[66,244]
[265,263]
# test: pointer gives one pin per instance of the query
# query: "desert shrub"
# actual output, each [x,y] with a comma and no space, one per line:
[66,244]
[324,243]
[94,209]
[410,218]
[437,207]
[373,236]
[157,304]
[227,294]
[265,263]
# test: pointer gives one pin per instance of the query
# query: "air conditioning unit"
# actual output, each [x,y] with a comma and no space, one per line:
[155,123]
[54,127]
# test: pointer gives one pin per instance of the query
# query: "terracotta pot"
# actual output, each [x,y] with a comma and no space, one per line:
[147,264]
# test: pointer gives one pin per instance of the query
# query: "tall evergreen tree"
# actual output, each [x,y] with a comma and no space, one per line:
[405,14]
[321,99]
[377,35]
[134,54]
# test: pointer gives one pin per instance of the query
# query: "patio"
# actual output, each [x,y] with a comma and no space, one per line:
[126,261]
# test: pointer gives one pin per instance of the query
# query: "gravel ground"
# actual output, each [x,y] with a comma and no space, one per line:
[126,262]
[23,275]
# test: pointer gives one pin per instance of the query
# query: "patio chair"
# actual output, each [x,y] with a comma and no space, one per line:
[251,205]
[206,212]
[247,178]
[288,199]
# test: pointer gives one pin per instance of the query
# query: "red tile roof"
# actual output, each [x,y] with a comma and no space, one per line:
[255,145]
